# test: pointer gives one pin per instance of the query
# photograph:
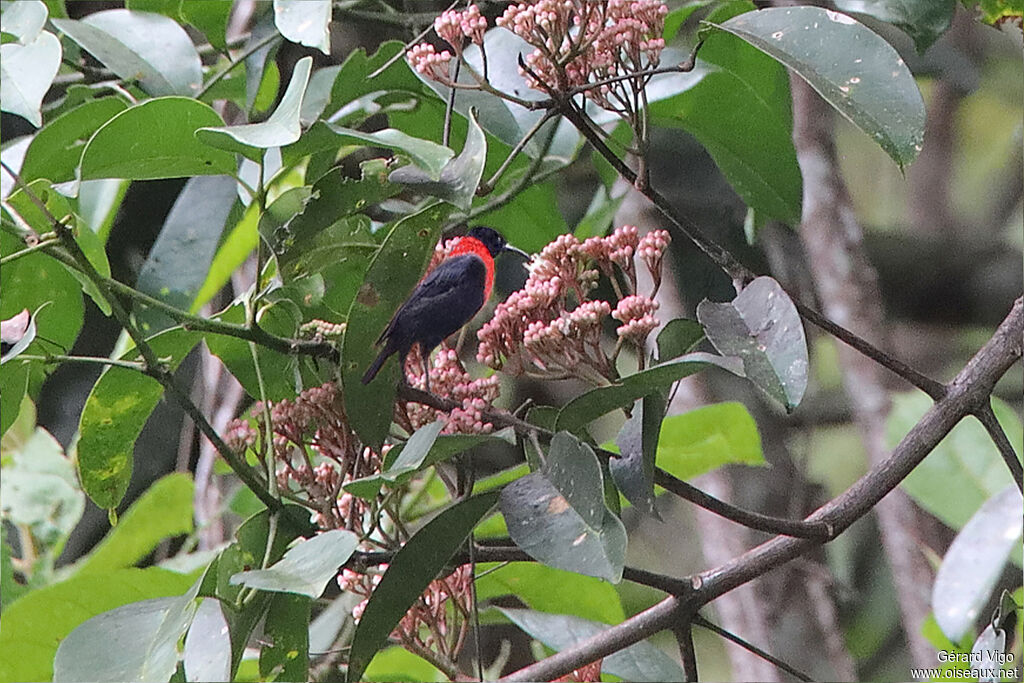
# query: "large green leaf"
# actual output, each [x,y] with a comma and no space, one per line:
[429,156]
[163,511]
[55,150]
[558,516]
[852,67]
[974,562]
[26,72]
[305,22]
[180,258]
[708,437]
[409,573]
[237,244]
[398,664]
[286,626]
[279,371]
[156,139]
[966,459]
[207,654]
[762,328]
[211,18]
[282,128]
[552,590]
[737,105]
[35,625]
[149,48]
[145,633]
[13,385]
[35,280]
[306,567]
[923,20]
[639,662]
[115,413]
[393,273]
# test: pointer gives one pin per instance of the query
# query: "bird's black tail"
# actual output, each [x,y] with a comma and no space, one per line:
[375,366]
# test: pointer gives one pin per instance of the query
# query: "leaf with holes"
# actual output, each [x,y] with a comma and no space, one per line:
[762,328]
[558,516]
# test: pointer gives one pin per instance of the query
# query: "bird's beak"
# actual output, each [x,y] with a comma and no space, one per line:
[516,250]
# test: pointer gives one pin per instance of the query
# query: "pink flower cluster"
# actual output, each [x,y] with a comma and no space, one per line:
[579,42]
[551,329]
[576,43]
[314,424]
[438,621]
[450,380]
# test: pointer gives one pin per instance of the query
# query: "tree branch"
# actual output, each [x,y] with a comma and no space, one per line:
[995,430]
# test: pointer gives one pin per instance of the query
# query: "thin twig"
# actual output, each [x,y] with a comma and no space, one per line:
[988,419]
[270,38]
[750,647]
[97,360]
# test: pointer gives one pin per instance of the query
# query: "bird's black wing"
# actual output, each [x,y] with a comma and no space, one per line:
[443,302]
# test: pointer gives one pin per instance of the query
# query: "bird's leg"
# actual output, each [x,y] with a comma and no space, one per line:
[425,357]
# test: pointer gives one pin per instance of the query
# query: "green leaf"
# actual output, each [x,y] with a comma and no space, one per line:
[279,371]
[153,140]
[974,562]
[600,214]
[26,72]
[34,280]
[392,275]
[10,588]
[597,402]
[251,550]
[460,178]
[966,458]
[429,156]
[306,567]
[557,515]
[922,20]
[552,590]
[707,438]
[679,336]
[737,104]
[180,258]
[114,414]
[398,664]
[140,46]
[95,252]
[282,128]
[207,654]
[853,68]
[39,491]
[163,511]
[633,472]
[638,662]
[409,573]
[211,18]
[13,386]
[57,148]
[286,627]
[762,328]
[146,635]
[233,251]
[98,202]
[304,22]
[24,20]
[35,625]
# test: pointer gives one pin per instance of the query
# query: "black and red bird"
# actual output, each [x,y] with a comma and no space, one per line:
[445,300]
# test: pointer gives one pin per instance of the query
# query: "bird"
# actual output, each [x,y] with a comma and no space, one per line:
[445,300]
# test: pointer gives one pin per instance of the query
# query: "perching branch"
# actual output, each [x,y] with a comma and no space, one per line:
[973,383]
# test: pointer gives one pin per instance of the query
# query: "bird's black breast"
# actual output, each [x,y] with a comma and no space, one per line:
[442,303]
